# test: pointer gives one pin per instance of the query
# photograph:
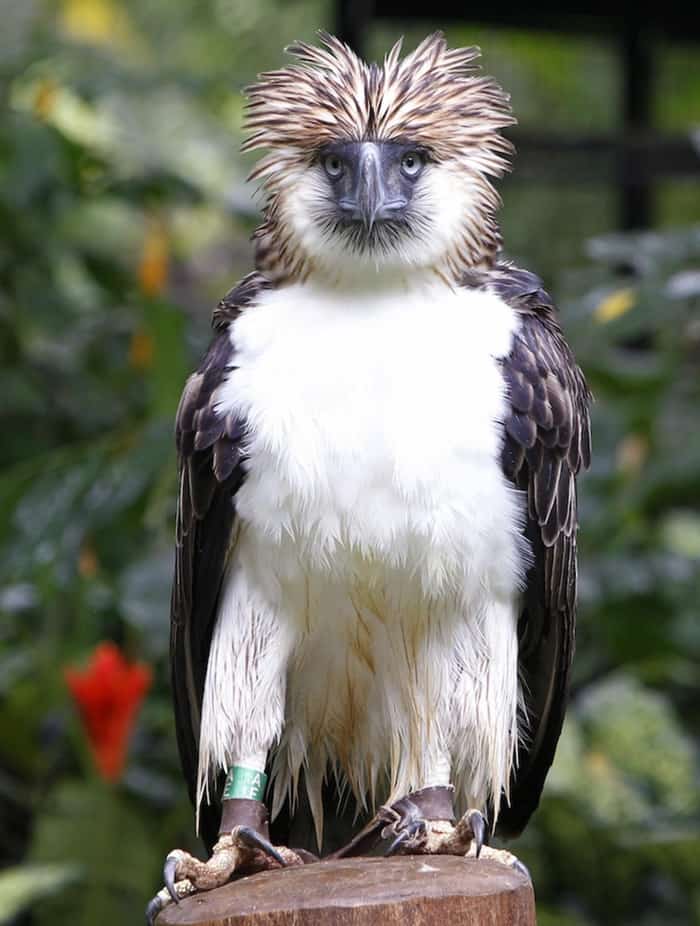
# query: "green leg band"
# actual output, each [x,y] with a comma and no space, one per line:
[247,783]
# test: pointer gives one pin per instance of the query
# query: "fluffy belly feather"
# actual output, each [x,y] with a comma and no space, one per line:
[369,619]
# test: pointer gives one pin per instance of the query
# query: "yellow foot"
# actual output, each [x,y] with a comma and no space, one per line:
[243,852]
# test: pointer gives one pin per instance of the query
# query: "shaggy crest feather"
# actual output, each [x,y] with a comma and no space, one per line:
[434,97]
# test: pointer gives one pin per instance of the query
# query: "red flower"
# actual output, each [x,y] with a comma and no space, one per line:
[108,695]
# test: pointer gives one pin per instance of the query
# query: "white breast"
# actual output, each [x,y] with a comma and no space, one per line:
[374,427]
[380,555]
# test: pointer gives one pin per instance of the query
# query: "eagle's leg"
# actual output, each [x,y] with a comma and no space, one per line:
[423,824]
[243,851]
[243,848]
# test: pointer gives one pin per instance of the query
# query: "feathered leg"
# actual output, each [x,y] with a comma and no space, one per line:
[242,716]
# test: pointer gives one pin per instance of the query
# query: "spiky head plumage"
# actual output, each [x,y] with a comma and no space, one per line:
[434,97]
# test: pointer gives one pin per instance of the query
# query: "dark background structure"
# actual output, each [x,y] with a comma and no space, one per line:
[124,216]
[634,154]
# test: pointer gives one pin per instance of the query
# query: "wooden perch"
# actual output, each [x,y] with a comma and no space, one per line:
[438,890]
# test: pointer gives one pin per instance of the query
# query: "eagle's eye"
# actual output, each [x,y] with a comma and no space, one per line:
[333,166]
[412,163]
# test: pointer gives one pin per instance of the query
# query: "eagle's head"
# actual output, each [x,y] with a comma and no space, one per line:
[373,168]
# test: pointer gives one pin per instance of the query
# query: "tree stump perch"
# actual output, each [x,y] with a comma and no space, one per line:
[424,890]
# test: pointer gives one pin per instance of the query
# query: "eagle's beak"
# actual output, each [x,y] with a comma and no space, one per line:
[371,194]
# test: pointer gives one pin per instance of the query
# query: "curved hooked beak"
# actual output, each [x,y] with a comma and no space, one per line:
[370,194]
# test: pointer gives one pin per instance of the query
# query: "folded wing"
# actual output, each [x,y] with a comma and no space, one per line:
[210,466]
[546,443]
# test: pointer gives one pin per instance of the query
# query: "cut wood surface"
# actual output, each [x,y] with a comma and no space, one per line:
[417,890]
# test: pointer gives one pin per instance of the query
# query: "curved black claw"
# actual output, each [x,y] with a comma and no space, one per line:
[407,833]
[478,828]
[153,909]
[523,869]
[248,836]
[401,838]
[169,871]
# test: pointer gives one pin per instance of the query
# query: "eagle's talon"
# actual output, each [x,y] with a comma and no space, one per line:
[504,857]
[398,821]
[173,892]
[477,824]
[155,905]
[402,837]
[243,851]
[248,837]
[169,873]
[406,835]
[406,825]
[411,832]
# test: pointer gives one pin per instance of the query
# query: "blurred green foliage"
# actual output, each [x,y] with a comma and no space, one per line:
[123,218]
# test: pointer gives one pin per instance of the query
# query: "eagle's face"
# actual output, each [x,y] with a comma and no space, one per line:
[371,184]
[373,167]
[376,205]
[364,202]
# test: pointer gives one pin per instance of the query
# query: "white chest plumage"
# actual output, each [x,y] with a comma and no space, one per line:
[371,602]
[374,428]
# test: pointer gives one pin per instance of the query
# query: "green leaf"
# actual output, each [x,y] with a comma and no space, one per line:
[23,885]
[165,325]
[98,829]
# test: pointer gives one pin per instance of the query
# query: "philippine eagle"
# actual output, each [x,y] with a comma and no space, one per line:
[375,578]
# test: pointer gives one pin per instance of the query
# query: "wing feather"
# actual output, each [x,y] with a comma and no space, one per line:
[210,462]
[546,443]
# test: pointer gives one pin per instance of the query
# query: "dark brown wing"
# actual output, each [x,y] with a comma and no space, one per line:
[211,471]
[546,443]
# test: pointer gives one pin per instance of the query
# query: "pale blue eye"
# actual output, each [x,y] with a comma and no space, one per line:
[412,163]
[333,166]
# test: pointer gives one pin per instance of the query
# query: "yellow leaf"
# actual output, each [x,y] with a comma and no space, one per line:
[615,305]
[45,99]
[101,22]
[141,350]
[153,266]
